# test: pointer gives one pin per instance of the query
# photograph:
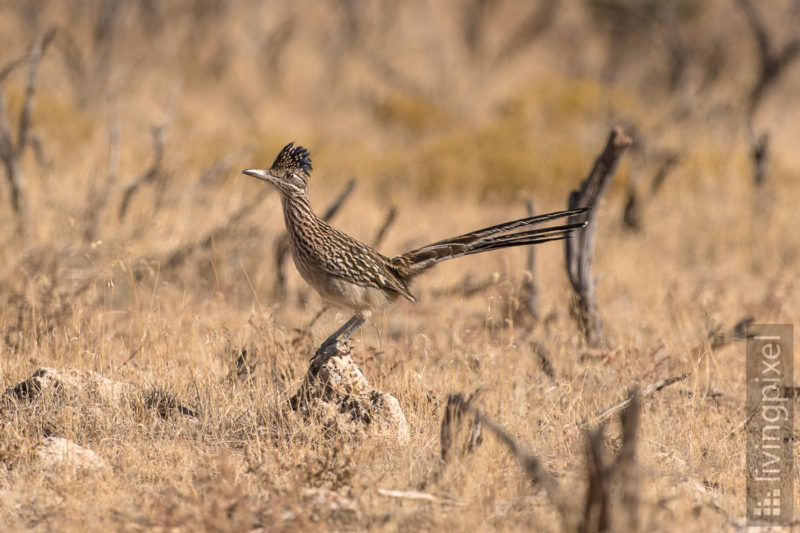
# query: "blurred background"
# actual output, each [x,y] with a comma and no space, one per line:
[126,123]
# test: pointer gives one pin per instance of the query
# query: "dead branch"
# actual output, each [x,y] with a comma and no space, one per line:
[419,496]
[738,332]
[11,66]
[597,511]
[178,256]
[274,46]
[544,362]
[282,243]
[772,62]
[11,151]
[537,473]
[608,412]
[596,515]
[669,161]
[759,151]
[580,247]
[528,30]
[633,212]
[473,22]
[773,59]
[454,422]
[529,292]
[149,175]
[207,177]
[469,286]
[391,214]
[625,463]
[97,200]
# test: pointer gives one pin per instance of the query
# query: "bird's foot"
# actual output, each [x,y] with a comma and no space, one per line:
[326,351]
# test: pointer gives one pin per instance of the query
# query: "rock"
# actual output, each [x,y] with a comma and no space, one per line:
[342,399]
[56,452]
[322,499]
[100,390]
[70,381]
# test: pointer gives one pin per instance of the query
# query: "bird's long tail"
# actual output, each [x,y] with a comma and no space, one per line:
[493,238]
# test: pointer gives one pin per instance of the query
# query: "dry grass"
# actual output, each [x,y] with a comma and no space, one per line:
[454,141]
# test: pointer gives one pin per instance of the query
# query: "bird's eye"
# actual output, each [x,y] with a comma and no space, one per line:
[296,180]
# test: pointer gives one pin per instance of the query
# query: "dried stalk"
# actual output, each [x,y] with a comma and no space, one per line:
[580,248]
[455,419]
[11,151]
[529,292]
[149,175]
[391,215]
[773,61]
[597,509]
[608,412]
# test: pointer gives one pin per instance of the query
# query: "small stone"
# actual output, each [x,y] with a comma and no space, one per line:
[55,452]
[71,381]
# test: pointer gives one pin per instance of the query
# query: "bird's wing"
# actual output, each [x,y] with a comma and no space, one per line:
[353,261]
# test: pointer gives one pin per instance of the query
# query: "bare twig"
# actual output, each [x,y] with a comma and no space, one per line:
[633,212]
[452,423]
[580,248]
[26,116]
[596,515]
[97,201]
[738,332]
[668,163]
[333,208]
[419,496]
[544,362]
[773,60]
[528,30]
[11,66]
[178,256]
[149,175]
[537,473]
[529,292]
[469,286]
[474,15]
[759,151]
[625,463]
[391,214]
[597,509]
[608,412]
[11,151]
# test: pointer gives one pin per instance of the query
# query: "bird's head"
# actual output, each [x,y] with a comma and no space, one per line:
[289,173]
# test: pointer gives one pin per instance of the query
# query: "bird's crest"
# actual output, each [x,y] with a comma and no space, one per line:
[293,158]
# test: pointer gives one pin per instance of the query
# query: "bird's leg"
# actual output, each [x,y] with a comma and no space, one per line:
[346,331]
[328,348]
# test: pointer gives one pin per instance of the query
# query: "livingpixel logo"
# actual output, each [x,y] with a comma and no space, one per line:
[770,423]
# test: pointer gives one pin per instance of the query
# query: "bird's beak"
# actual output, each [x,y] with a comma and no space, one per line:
[260,174]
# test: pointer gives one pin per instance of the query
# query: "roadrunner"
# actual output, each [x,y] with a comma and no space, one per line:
[348,273]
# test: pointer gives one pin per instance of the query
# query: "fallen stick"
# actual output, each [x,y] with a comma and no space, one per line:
[419,496]
[608,412]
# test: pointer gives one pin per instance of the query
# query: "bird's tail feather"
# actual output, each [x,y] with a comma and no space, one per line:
[492,238]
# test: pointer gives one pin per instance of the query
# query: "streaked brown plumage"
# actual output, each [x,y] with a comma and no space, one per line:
[351,274]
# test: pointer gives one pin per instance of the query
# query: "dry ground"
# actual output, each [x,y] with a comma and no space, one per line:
[455,142]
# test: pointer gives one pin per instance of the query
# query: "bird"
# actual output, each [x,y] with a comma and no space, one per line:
[348,273]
